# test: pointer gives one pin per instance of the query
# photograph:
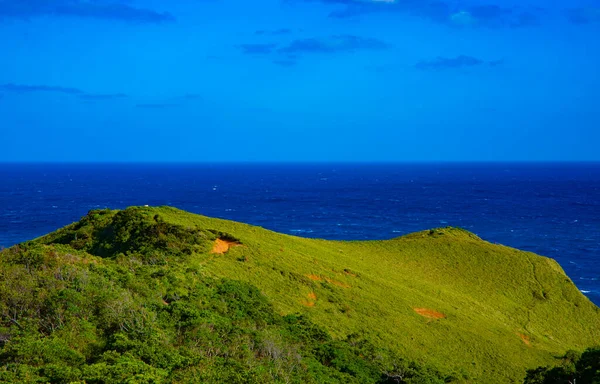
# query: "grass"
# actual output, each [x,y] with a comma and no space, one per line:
[484,313]
[489,293]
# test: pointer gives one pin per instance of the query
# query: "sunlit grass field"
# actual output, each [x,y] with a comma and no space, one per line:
[444,298]
[503,310]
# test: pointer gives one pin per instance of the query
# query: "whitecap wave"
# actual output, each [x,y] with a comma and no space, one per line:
[302,230]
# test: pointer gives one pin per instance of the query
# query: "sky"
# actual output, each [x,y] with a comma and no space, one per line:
[299,80]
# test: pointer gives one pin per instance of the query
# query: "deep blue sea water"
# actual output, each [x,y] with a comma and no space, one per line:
[550,209]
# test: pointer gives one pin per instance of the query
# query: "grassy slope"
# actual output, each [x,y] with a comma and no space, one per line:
[490,294]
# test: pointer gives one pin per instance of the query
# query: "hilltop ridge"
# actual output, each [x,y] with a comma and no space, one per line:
[454,307]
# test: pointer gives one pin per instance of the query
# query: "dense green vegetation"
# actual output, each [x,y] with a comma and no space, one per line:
[137,296]
[574,368]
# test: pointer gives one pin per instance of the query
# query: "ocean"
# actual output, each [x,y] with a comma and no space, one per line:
[552,209]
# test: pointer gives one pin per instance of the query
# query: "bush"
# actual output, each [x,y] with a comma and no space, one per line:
[573,368]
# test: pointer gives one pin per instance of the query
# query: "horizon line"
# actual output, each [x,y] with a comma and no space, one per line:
[291,162]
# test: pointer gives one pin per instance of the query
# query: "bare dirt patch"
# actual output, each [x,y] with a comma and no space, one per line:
[526,339]
[221,246]
[312,297]
[429,313]
[314,277]
[338,283]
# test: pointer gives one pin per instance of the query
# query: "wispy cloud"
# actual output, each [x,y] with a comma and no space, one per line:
[494,16]
[97,9]
[23,89]
[437,11]
[98,97]
[462,61]
[288,54]
[333,44]
[583,15]
[257,49]
[18,88]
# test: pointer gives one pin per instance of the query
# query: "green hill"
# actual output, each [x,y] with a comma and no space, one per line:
[162,295]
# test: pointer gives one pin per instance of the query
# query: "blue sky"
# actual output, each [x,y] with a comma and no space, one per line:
[299,80]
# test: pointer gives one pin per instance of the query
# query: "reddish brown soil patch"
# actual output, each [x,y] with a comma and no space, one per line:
[314,277]
[312,297]
[526,339]
[429,313]
[221,246]
[347,272]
